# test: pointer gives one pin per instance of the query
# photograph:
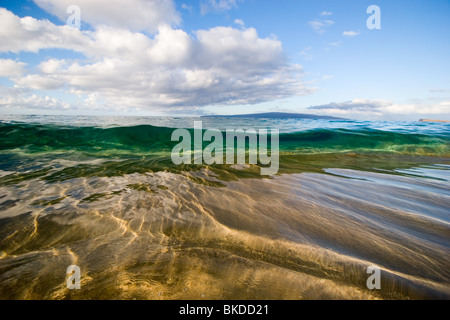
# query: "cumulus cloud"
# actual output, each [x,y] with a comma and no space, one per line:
[22,98]
[326,13]
[173,69]
[38,82]
[29,34]
[135,15]
[11,68]
[382,107]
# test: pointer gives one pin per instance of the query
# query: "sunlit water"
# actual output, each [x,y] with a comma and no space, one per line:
[102,193]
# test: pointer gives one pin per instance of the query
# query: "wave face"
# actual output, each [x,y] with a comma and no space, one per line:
[104,195]
[364,140]
[148,139]
[45,138]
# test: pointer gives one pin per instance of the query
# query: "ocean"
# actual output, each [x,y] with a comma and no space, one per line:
[102,193]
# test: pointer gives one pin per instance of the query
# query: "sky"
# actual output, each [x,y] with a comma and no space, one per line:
[201,57]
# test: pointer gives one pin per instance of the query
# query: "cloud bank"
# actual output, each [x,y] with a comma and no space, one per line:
[381,107]
[124,68]
[134,15]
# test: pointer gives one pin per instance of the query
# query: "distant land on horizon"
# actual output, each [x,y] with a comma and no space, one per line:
[276,115]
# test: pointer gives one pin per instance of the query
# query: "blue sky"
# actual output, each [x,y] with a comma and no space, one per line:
[150,57]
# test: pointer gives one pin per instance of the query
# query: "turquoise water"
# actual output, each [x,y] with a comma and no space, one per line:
[26,140]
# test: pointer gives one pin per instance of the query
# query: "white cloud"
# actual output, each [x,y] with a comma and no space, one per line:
[350,33]
[11,68]
[125,69]
[326,13]
[51,65]
[135,15]
[16,98]
[29,34]
[37,82]
[319,26]
[383,107]
[171,47]
[239,51]
[239,22]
